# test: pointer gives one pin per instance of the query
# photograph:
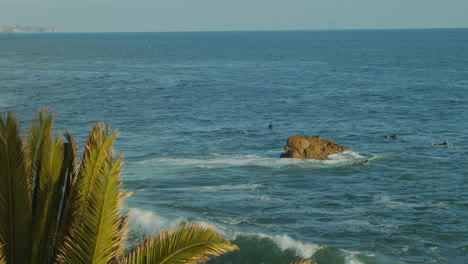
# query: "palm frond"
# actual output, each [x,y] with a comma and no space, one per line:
[15,193]
[2,257]
[48,199]
[70,161]
[97,151]
[188,243]
[97,234]
[123,234]
[40,131]
[69,192]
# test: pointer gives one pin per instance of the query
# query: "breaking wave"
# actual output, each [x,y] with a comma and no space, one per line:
[254,247]
[147,222]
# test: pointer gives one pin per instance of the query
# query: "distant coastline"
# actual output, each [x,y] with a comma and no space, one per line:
[10,28]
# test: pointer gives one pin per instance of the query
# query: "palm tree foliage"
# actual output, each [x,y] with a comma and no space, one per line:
[182,245]
[53,210]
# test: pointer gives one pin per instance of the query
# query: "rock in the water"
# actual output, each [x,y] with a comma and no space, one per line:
[301,147]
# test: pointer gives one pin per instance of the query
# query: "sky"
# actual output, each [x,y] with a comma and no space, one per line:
[227,15]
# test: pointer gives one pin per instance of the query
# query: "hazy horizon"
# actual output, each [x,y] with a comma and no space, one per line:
[246,30]
[242,15]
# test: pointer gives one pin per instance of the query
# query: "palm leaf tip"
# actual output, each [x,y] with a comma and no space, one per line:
[188,243]
[2,258]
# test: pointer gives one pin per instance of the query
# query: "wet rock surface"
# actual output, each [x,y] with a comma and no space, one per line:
[302,147]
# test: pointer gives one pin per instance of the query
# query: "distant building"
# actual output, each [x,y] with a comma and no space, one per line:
[10,28]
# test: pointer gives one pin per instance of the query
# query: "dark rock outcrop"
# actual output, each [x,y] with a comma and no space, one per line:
[301,147]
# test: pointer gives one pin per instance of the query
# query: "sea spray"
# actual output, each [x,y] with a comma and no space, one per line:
[304,250]
[146,222]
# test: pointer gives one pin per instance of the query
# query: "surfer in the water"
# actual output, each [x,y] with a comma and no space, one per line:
[394,136]
[445,143]
[270,126]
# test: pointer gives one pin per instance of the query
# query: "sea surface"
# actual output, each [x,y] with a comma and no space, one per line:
[193,111]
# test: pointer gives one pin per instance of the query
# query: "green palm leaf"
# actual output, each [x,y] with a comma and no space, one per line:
[46,156]
[40,131]
[188,243]
[97,151]
[48,200]
[98,231]
[52,212]
[69,191]
[15,194]
[122,229]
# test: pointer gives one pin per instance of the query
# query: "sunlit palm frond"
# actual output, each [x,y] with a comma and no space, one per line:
[52,211]
[15,193]
[188,243]
[98,150]
[98,234]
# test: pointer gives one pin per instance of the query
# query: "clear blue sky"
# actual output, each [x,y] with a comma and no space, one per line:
[219,15]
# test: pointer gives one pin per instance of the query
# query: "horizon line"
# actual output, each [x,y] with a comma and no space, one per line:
[258,30]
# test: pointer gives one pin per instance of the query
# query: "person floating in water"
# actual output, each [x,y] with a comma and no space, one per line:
[270,126]
[367,162]
[445,143]
[394,136]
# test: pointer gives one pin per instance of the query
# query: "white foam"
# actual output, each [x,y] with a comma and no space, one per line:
[351,257]
[305,250]
[233,222]
[267,159]
[390,203]
[259,197]
[149,222]
[231,187]
[344,158]
[352,260]
[284,242]
[224,187]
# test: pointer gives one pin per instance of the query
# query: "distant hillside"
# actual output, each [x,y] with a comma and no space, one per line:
[26,29]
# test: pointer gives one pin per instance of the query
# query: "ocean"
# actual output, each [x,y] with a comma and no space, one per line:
[193,110]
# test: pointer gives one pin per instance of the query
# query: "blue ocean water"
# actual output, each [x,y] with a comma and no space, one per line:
[193,111]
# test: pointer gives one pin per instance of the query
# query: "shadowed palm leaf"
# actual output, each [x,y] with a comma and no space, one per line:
[46,156]
[15,194]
